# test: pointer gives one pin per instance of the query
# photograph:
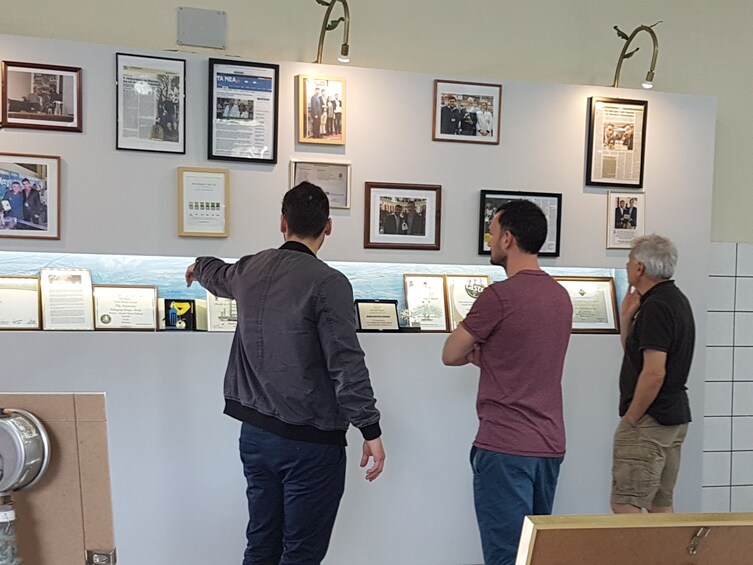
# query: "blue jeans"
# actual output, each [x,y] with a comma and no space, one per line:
[294,490]
[506,488]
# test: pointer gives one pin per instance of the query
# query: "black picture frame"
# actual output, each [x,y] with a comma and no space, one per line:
[616,150]
[549,202]
[362,306]
[240,92]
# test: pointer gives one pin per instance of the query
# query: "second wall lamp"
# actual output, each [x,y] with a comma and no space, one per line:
[327,25]
[649,82]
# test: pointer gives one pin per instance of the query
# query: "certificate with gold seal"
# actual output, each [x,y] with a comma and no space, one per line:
[125,307]
[462,292]
[594,304]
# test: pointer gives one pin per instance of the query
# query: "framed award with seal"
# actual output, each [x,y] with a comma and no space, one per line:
[125,307]
[462,292]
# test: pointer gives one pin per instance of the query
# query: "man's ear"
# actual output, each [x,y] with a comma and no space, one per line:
[328,227]
[283,224]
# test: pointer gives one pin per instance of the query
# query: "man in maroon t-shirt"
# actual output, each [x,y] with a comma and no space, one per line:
[517,332]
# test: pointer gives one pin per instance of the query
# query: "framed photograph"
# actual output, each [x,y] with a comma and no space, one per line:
[402,216]
[468,112]
[550,204]
[594,304]
[243,104]
[616,142]
[41,97]
[222,314]
[20,308]
[29,196]
[377,316]
[151,103]
[426,302]
[67,302]
[462,292]
[333,178]
[321,110]
[626,218]
[203,202]
[125,307]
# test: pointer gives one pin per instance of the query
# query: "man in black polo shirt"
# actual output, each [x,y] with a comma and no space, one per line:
[658,335]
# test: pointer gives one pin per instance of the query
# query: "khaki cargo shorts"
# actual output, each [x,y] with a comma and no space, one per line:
[645,462]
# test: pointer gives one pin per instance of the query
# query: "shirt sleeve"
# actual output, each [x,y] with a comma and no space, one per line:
[215,275]
[485,315]
[655,327]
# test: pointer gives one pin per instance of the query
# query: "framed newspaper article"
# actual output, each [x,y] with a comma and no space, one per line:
[626,215]
[243,104]
[151,103]
[321,110]
[468,112]
[41,97]
[616,142]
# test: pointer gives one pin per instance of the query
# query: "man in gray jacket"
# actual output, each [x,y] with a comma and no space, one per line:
[296,379]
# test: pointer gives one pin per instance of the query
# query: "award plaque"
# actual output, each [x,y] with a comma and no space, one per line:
[19,303]
[177,314]
[462,292]
[377,316]
[594,304]
[66,299]
[426,301]
[125,307]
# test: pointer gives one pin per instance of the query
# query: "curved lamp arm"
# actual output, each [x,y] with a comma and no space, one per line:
[343,58]
[650,74]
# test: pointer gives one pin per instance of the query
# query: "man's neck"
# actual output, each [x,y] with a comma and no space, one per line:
[646,284]
[313,243]
[521,262]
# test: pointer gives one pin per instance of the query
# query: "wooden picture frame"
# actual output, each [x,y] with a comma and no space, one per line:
[33,212]
[616,142]
[20,304]
[203,202]
[334,178]
[594,301]
[385,225]
[37,96]
[426,302]
[549,202]
[626,218]
[462,291]
[467,112]
[321,121]
[244,99]
[150,100]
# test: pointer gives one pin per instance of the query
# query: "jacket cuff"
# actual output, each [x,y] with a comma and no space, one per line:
[372,431]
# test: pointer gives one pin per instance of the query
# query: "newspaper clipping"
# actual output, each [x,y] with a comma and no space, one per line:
[617,142]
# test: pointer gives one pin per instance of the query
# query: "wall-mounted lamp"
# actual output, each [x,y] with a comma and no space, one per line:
[330,25]
[649,82]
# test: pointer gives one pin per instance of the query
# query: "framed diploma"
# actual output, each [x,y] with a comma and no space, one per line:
[203,202]
[222,314]
[377,316]
[462,292]
[67,302]
[125,307]
[19,303]
[425,299]
[332,177]
[626,218]
[594,304]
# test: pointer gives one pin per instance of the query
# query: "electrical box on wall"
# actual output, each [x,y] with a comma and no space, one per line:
[202,28]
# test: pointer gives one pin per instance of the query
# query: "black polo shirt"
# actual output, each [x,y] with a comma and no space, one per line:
[664,322]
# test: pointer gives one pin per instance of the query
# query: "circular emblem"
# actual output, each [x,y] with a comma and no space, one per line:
[105,318]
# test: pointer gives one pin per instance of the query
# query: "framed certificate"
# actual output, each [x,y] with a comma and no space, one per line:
[462,292]
[425,299]
[125,307]
[594,304]
[67,302]
[377,316]
[332,177]
[222,314]
[203,202]
[19,303]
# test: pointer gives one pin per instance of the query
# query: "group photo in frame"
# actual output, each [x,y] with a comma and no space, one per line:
[426,302]
[550,204]
[333,177]
[321,110]
[594,304]
[468,112]
[151,103]
[29,196]
[203,202]
[626,218]
[41,97]
[616,142]
[244,99]
[402,216]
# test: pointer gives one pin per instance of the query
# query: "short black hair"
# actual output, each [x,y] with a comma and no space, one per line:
[306,209]
[26,180]
[526,222]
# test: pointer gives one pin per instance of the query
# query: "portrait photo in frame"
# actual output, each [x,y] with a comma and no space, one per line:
[29,196]
[402,216]
[321,110]
[550,204]
[616,142]
[626,218]
[41,97]
[468,112]
[333,177]
[594,304]
[244,99]
[151,103]
[203,202]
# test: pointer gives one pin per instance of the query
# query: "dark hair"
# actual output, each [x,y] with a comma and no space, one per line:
[306,209]
[25,180]
[526,222]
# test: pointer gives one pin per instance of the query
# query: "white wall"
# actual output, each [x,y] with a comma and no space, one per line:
[177,484]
